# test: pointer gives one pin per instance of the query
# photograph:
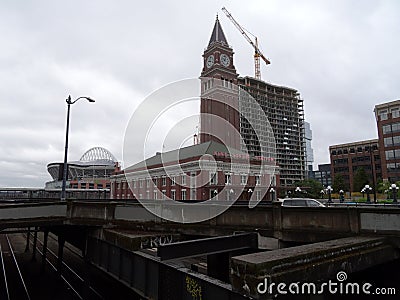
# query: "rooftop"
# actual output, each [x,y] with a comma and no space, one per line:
[388,104]
[353,144]
[194,151]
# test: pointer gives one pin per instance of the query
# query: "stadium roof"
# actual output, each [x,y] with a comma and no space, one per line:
[97,161]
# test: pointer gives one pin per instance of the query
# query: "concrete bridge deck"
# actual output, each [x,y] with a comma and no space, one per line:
[291,224]
[115,236]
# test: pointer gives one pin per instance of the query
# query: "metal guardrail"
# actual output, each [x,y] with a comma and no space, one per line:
[363,204]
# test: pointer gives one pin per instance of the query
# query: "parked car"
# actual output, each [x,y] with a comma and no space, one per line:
[301,202]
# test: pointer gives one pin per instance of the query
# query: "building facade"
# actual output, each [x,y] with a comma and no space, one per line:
[323,175]
[282,106]
[200,172]
[388,123]
[347,158]
[309,149]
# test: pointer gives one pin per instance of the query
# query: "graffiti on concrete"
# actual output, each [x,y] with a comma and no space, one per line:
[156,241]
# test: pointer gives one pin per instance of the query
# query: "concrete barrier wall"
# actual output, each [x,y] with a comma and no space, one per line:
[317,219]
[91,210]
[245,217]
[308,263]
[380,222]
[33,211]
[291,224]
[134,213]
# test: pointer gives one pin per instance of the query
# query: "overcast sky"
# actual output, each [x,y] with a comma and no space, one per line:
[342,56]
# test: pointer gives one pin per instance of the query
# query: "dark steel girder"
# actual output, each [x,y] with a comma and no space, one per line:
[208,246]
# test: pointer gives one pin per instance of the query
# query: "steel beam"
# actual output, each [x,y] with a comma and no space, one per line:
[208,246]
[44,250]
[27,239]
[152,279]
[61,242]
[34,245]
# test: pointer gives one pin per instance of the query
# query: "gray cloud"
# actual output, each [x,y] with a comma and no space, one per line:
[342,56]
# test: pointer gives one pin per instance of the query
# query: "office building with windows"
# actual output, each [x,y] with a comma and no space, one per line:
[347,158]
[323,175]
[388,123]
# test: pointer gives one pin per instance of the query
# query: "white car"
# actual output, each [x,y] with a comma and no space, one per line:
[301,202]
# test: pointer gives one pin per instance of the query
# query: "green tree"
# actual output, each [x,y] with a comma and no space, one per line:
[383,187]
[339,184]
[360,179]
[310,188]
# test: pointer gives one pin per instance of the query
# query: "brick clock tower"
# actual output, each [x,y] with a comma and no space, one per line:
[219,108]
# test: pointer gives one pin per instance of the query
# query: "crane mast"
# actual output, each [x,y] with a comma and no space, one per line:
[257,53]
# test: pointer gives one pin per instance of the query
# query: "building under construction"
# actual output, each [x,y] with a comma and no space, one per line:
[284,110]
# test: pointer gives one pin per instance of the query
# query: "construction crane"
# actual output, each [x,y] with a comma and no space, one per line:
[257,52]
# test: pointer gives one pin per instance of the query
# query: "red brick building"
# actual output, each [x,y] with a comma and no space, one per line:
[347,158]
[219,119]
[388,122]
[379,157]
[198,172]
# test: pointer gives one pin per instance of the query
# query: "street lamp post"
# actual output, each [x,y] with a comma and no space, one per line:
[215,193]
[341,195]
[394,188]
[368,189]
[249,191]
[329,190]
[297,191]
[231,193]
[64,181]
[272,191]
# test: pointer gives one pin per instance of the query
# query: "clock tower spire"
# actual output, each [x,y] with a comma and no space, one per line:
[218,56]
[219,108]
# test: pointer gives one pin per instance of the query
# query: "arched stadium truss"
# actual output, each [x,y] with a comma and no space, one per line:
[96,163]
[97,153]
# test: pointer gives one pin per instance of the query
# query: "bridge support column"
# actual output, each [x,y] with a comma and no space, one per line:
[87,292]
[218,266]
[61,242]
[34,245]
[27,240]
[44,250]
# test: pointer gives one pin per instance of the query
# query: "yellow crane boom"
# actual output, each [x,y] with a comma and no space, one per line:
[257,52]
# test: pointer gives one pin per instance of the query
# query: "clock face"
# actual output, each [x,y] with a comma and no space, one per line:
[225,60]
[210,61]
